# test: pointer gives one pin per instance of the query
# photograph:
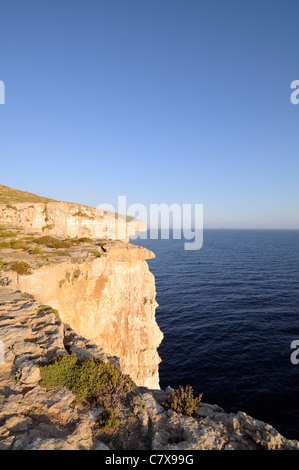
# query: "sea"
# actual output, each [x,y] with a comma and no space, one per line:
[230,314]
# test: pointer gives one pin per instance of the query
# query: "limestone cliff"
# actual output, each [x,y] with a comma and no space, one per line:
[109,299]
[105,297]
[38,214]
[106,294]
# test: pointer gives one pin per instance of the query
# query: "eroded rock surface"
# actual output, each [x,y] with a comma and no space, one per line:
[32,417]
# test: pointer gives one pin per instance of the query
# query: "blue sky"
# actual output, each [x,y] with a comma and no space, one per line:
[163,101]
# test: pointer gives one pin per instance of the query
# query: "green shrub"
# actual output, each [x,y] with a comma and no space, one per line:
[14,244]
[4,245]
[80,214]
[76,274]
[182,401]
[91,380]
[20,267]
[138,404]
[53,242]
[5,234]
[107,420]
[95,253]
[59,253]
[18,245]
[37,251]
[9,206]
[48,309]
[83,240]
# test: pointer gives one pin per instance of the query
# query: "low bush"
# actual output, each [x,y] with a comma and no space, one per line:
[4,245]
[107,420]
[18,245]
[37,251]
[95,253]
[59,253]
[83,240]
[76,274]
[48,309]
[138,404]
[182,401]
[91,380]
[53,242]
[14,244]
[5,234]
[20,267]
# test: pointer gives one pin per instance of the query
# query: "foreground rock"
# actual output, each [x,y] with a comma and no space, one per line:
[47,419]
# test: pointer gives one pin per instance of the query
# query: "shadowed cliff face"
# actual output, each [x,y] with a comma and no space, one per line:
[109,300]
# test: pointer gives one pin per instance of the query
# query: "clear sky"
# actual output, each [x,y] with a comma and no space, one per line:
[164,101]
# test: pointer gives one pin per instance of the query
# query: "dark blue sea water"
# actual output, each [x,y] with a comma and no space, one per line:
[229,313]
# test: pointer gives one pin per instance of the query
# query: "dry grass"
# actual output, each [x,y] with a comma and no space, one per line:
[11,195]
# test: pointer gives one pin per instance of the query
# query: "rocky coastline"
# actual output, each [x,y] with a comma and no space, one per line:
[67,292]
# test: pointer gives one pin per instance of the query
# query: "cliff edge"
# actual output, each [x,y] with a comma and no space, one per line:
[37,214]
[33,417]
[68,289]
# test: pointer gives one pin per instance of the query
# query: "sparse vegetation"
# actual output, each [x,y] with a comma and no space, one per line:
[138,404]
[4,244]
[9,206]
[20,267]
[8,195]
[37,251]
[18,245]
[59,253]
[4,233]
[83,240]
[48,309]
[182,401]
[53,242]
[95,253]
[80,214]
[14,244]
[107,420]
[92,381]
[76,274]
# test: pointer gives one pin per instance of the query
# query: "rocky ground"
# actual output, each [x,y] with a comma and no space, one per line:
[32,417]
